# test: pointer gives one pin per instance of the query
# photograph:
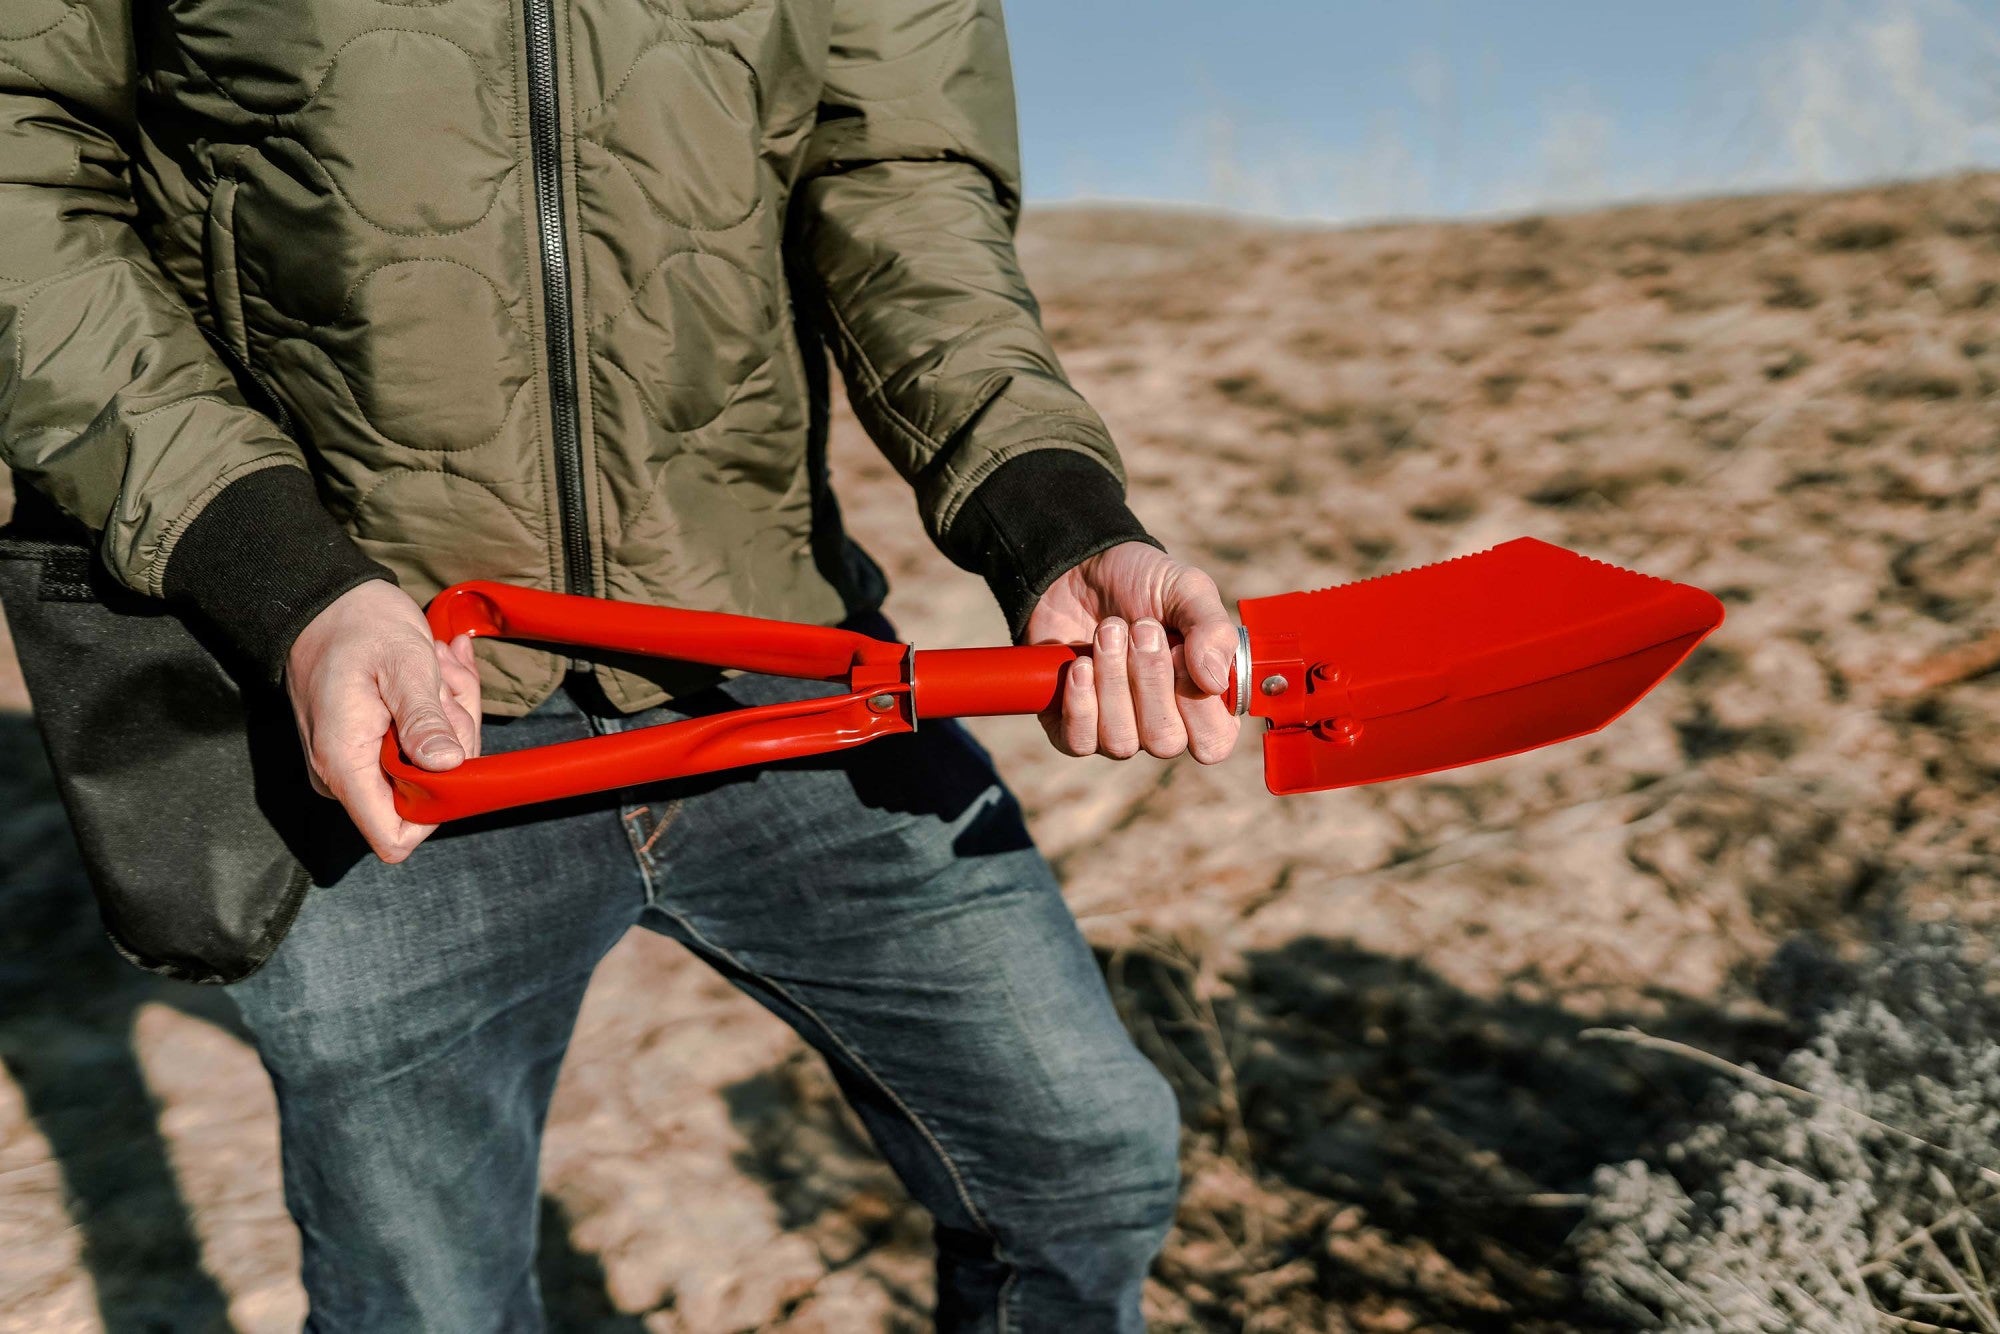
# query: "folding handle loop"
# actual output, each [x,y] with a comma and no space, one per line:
[878,701]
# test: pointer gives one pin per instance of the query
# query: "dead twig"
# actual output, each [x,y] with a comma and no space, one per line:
[1949,668]
[1756,1079]
[1883,1262]
[1982,1311]
[1923,1326]
[1194,1008]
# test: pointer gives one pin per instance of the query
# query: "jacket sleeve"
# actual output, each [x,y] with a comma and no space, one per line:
[112,403]
[905,215]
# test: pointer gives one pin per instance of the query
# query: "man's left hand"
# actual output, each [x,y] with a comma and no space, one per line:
[1135,691]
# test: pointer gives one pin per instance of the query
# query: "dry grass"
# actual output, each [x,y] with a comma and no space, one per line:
[1858,1193]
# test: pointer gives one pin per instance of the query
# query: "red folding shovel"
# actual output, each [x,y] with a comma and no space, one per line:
[1488,655]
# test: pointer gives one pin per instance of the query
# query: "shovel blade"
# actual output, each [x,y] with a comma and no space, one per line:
[1515,648]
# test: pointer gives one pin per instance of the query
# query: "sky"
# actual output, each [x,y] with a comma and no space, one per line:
[1345,110]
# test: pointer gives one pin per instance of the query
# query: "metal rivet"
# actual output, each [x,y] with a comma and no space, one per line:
[1328,674]
[882,703]
[1340,731]
[1274,685]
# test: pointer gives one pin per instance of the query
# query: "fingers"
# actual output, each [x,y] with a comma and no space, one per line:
[345,763]
[1117,720]
[1127,697]
[364,663]
[1138,692]
[464,727]
[364,791]
[412,685]
[460,673]
[1193,606]
[1212,727]
[1161,731]
[1072,724]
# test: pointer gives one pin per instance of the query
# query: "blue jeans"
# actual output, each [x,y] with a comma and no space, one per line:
[886,903]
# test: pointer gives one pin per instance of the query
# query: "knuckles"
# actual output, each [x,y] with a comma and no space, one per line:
[1197,583]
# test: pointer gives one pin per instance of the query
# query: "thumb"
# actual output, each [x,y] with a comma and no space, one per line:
[1194,607]
[410,687]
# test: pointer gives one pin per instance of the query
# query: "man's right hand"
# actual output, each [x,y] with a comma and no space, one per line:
[366,661]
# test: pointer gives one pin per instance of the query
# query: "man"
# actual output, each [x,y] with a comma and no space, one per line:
[539,291]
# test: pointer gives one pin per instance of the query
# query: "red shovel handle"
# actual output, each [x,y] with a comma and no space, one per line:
[712,638]
[990,682]
[770,732]
[890,687]
[877,703]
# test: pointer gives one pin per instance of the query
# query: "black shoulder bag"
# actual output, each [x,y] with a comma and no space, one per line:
[181,773]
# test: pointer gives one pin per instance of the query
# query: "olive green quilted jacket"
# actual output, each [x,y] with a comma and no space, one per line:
[534,290]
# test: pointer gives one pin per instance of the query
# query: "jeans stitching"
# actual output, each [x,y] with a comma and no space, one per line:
[642,841]
[660,826]
[644,863]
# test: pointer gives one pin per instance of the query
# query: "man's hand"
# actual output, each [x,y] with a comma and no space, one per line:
[1134,691]
[365,661]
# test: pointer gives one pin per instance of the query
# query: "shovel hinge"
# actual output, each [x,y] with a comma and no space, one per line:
[1290,689]
[1339,731]
[1278,683]
[1329,696]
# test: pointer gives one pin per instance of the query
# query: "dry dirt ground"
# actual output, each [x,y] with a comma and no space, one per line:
[1370,1001]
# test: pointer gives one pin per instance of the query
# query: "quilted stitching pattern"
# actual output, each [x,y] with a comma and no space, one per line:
[340,190]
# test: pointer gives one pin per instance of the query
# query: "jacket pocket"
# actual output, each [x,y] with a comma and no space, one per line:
[225,281]
[230,336]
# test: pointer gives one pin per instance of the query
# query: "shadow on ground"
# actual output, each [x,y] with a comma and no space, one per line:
[1368,1147]
[1392,1146]
[811,1153]
[67,1005]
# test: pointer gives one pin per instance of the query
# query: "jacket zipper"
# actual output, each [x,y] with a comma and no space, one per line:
[545,146]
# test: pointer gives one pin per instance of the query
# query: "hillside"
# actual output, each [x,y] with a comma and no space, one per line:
[1369,1000]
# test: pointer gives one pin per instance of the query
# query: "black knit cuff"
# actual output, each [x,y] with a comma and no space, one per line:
[1036,517]
[261,560]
